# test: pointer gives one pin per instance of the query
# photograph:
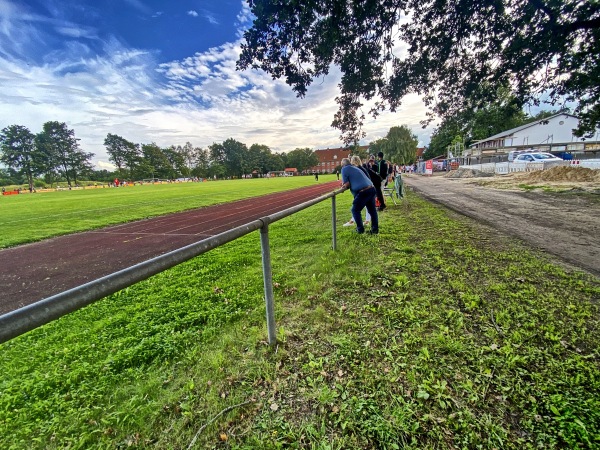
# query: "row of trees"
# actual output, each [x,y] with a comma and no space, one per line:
[54,153]
[230,158]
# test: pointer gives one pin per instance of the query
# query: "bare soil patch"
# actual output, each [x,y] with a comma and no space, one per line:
[556,210]
[555,179]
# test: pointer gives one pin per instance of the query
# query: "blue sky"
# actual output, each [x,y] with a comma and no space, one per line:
[158,71]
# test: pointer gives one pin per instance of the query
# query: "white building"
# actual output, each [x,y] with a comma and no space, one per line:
[552,134]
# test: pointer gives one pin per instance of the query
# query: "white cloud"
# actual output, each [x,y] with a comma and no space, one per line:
[76,32]
[101,165]
[192,13]
[244,19]
[201,99]
[140,6]
[210,17]
[8,9]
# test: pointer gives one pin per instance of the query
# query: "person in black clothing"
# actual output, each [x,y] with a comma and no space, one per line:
[371,167]
[381,167]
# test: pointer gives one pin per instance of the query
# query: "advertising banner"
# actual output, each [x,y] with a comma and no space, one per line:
[429,167]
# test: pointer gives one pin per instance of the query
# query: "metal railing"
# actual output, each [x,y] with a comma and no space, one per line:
[20,321]
[508,167]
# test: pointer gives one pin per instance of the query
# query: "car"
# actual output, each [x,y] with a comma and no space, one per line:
[539,157]
[514,153]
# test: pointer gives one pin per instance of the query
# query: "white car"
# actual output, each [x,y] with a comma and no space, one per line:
[535,157]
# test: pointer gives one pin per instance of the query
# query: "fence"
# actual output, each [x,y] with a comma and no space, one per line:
[507,167]
[25,319]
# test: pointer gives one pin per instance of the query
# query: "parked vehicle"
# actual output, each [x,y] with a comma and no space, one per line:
[539,157]
[514,153]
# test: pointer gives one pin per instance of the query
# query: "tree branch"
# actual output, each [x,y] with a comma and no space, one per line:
[583,25]
[543,7]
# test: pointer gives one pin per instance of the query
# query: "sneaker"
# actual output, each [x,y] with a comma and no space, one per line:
[381,208]
[349,224]
[373,232]
[367,223]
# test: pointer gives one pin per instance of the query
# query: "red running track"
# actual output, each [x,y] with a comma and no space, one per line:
[35,271]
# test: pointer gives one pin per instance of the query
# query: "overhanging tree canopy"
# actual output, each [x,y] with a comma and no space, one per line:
[453,53]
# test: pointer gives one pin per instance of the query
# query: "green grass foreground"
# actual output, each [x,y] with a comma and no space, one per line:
[32,217]
[437,333]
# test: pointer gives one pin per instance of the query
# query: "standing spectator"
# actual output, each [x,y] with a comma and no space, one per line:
[371,168]
[381,168]
[377,180]
[364,193]
[371,162]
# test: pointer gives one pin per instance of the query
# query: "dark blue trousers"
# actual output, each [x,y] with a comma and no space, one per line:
[366,199]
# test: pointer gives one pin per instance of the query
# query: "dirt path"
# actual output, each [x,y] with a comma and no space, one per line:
[566,225]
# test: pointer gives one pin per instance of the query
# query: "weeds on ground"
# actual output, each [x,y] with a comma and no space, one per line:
[434,334]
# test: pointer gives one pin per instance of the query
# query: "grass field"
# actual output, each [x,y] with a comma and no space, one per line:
[31,217]
[437,333]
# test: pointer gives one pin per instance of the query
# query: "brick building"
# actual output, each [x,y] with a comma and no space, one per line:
[330,158]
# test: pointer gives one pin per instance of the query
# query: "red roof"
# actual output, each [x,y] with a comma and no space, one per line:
[329,158]
[329,153]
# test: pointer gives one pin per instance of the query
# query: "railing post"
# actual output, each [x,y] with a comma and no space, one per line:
[333,226]
[268,281]
[22,320]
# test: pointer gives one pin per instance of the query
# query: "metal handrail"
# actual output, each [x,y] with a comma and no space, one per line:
[22,320]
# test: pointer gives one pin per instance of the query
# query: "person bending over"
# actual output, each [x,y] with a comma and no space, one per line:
[364,193]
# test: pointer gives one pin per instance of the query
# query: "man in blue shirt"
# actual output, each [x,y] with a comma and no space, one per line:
[364,193]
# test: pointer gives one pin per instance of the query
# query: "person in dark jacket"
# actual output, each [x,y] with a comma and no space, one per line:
[381,167]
